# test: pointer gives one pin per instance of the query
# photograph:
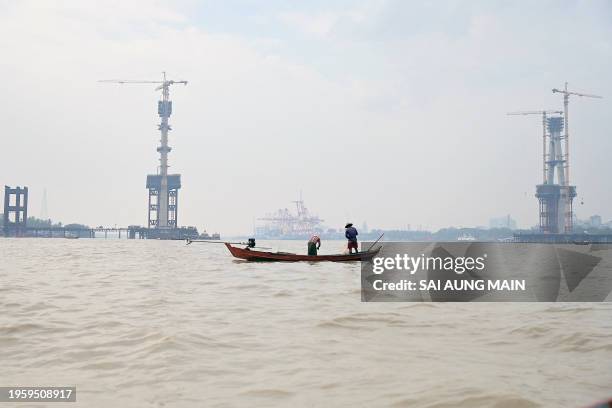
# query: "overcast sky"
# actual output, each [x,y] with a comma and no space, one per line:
[390,112]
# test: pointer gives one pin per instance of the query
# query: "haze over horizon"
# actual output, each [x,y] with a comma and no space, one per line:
[388,112]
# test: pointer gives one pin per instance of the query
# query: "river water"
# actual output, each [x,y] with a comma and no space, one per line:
[134,323]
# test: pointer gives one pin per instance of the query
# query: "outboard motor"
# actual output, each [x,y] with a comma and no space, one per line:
[251,243]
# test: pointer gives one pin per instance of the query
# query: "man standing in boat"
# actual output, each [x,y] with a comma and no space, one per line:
[314,243]
[351,234]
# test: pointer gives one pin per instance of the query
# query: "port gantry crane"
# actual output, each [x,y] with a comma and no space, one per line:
[544,114]
[164,109]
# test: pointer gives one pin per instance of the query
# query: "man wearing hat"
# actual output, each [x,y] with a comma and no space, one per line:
[314,244]
[351,234]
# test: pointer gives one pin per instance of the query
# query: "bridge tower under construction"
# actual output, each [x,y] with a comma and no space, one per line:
[163,187]
[555,198]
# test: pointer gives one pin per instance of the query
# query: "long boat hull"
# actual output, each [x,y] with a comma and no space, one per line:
[251,255]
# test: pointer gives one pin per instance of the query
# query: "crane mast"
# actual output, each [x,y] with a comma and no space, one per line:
[546,152]
[162,212]
[566,94]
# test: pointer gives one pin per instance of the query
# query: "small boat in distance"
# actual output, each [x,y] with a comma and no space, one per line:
[251,255]
[466,237]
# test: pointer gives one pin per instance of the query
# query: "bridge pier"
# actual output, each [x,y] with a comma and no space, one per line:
[15,215]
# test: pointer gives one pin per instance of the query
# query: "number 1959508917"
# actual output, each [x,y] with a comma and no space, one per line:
[47,394]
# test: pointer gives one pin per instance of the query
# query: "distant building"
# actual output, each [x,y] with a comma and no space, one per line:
[502,222]
[595,221]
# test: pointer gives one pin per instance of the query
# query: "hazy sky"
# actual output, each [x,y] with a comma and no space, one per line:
[392,112]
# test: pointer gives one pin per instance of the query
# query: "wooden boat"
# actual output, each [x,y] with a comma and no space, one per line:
[252,255]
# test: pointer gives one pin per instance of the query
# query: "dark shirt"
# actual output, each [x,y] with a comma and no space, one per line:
[351,234]
[315,240]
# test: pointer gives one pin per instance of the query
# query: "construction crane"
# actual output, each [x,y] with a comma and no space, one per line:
[164,109]
[544,114]
[566,95]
